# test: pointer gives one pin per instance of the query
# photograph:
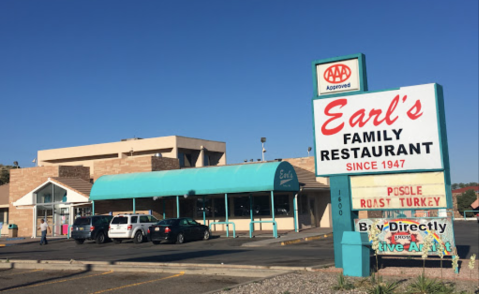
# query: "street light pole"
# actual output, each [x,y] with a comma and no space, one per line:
[263,140]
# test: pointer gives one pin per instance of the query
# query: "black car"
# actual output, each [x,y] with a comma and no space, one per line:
[91,228]
[178,230]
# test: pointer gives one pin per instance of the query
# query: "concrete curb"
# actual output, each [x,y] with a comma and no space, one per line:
[306,239]
[189,268]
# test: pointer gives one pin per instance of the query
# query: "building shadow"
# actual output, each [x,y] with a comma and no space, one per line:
[47,280]
[181,256]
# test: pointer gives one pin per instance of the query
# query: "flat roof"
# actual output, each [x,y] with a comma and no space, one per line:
[258,177]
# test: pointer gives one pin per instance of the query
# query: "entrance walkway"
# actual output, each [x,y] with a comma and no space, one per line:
[288,237]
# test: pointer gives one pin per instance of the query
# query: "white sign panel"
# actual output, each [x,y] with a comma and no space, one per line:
[335,77]
[399,191]
[376,132]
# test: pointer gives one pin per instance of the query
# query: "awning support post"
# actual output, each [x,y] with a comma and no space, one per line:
[226,212]
[204,212]
[275,230]
[295,206]
[177,206]
[92,207]
[164,208]
[251,229]
[134,205]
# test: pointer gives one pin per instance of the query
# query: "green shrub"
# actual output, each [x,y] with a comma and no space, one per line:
[383,288]
[342,283]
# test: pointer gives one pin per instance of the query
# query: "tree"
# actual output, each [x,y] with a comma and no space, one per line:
[5,173]
[464,202]
[454,186]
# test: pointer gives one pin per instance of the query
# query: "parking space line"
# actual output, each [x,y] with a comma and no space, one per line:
[137,284]
[56,282]
[13,274]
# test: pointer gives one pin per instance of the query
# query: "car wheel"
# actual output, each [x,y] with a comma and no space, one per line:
[79,241]
[117,241]
[206,235]
[156,242]
[180,239]
[138,237]
[100,238]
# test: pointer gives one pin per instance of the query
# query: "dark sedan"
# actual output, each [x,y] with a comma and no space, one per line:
[178,230]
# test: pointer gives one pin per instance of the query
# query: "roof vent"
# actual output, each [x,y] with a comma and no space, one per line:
[131,139]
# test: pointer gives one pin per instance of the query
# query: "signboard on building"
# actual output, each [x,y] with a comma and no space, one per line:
[377,132]
[399,191]
[339,76]
[405,236]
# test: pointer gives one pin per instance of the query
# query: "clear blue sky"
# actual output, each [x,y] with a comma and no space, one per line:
[84,72]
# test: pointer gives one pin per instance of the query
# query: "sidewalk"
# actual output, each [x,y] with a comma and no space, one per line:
[5,241]
[289,237]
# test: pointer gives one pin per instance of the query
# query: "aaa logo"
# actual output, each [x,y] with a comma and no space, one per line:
[337,73]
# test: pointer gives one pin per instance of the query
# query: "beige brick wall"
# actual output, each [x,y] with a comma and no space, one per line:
[24,180]
[82,172]
[306,163]
[133,165]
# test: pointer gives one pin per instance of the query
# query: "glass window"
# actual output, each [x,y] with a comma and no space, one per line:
[208,207]
[183,222]
[120,220]
[152,219]
[4,215]
[192,222]
[107,219]
[281,205]
[59,194]
[44,195]
[261,205]
[82,221]
[168,222]
[143,219]
[303,204]
[187,206]
[219,207]
[241,206]
[134,220]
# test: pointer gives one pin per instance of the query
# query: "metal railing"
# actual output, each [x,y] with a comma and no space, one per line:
[275,226]
[474,211]
[227,227]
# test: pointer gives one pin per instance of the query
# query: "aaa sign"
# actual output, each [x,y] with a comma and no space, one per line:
[399,191]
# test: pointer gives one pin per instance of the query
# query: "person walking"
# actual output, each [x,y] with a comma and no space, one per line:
[44,227]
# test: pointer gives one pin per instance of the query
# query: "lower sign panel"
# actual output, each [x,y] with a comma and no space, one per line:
[399,191]
[406,236]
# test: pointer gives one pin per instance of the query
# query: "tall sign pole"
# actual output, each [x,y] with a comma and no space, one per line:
[335,77]
[383,150]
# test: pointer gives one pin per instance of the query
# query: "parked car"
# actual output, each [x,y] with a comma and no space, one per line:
[178,230]
[130,226]
[91,228]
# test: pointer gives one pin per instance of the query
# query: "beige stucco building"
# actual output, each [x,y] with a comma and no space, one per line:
[190,152]
[58,189]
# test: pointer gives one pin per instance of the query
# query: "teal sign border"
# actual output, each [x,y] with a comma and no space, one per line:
[340,188]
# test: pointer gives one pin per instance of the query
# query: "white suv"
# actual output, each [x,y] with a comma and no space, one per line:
[130,226]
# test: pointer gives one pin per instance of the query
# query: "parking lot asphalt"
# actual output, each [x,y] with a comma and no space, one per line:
[227,251]
[214,251]
[41,281]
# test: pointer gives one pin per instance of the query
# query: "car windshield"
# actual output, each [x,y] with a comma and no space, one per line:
[119,220]
[82,221]
[168,222]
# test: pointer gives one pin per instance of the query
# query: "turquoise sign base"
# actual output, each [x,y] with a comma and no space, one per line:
[343,217]
[356,254]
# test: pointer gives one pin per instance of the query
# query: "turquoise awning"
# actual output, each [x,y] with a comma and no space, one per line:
[257,177]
